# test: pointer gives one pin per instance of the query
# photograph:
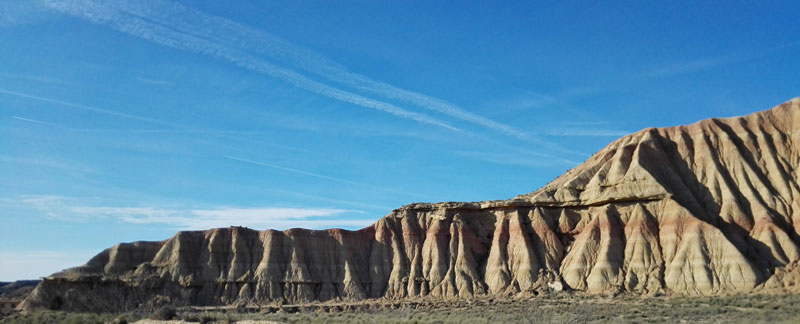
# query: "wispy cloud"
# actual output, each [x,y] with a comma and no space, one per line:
[584,123]
[87,108]
[259,218]
[586,131]
[47,163]
[35,78]
[15,13]
[47,204]
[31,120]
[307,196]
[316,175]
[155,82]
[178,128]
[230,34]
[684,67]
[174,25]
[699,64]
[521,160]
[534,152]
[66,209]
[171,127]
[527,101]
[119,17]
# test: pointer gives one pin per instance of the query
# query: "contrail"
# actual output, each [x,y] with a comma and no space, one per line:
[316,175]
[34,121]
[171,127]
[88,108]
[230,33]
[167,36]
[174,25]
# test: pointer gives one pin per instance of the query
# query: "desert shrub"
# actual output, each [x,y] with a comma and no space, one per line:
[56,317]
[120,320]
[539,310]
[205,318]
[164,314]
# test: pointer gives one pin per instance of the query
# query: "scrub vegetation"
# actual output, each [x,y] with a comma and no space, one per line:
[558,308]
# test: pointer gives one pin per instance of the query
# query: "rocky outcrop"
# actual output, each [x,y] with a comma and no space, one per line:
[712,207]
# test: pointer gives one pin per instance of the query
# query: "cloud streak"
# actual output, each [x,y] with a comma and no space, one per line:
[315,175]
[586,131]
[29,120]
[64,209]
[20,13]
[520,160]
[115,16]
[234,35]
[46,163]
[259,218]
[174,25]
[694,65]
[700,64]
[87,108]
[171,127]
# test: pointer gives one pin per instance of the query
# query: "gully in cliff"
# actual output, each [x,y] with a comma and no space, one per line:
[703,209]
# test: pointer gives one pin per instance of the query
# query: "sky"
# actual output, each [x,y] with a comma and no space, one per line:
[130,120]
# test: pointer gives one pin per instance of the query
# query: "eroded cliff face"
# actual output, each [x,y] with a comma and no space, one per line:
[713,207]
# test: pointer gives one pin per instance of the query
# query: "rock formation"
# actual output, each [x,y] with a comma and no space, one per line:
[708,208]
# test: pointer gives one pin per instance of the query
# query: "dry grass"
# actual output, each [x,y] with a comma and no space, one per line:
[547,309]
[577,309]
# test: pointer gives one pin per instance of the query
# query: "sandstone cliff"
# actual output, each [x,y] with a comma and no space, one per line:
[712,207]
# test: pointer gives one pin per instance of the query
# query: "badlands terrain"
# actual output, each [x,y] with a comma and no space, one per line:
[707,209]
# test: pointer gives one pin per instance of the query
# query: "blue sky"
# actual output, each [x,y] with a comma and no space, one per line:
[131,120]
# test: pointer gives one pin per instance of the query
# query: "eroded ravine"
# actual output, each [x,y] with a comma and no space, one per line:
[707,208]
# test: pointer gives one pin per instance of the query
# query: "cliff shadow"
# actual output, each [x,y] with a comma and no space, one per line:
[679,179]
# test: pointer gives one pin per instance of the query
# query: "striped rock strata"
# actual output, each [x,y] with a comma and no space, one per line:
[708,208]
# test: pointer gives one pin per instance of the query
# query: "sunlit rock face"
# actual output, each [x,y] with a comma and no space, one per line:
[708,208]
